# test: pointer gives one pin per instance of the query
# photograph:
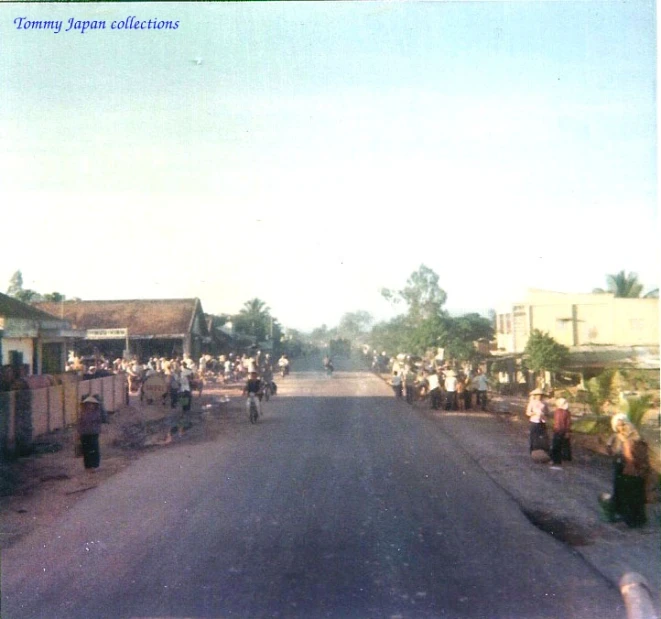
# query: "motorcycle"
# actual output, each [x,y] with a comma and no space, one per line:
[253,412]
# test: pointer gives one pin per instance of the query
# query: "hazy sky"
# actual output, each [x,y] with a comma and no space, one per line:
[310,154]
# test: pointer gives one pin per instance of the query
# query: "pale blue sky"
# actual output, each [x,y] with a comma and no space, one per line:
[505,145]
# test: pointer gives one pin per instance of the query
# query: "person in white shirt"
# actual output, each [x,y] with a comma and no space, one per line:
[185,376]
[283,364]
[396,383]
[537,411]
[482,385]
[451,391]
[434,390]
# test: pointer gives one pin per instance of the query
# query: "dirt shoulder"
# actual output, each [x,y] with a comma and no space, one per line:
[562,503]
[37,489]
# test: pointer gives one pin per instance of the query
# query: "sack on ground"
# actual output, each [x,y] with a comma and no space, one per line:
[539,455]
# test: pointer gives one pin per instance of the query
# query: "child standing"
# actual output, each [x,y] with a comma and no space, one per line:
[561,446]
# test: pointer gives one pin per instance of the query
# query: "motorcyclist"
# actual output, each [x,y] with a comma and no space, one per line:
[254,387]
[328,364]
[283,364]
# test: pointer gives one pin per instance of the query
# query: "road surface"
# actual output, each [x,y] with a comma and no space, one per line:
[341,502]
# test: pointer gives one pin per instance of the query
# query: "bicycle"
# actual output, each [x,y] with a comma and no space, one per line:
[252,408]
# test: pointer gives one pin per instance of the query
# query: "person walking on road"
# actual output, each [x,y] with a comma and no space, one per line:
[89,428]
[537,412]
[560,444]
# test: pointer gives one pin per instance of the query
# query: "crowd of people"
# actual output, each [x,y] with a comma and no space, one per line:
[182,374]
[443,385]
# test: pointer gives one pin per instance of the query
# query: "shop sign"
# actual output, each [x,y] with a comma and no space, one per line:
[107,334]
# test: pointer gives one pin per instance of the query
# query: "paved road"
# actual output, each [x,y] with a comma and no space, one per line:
[340,503]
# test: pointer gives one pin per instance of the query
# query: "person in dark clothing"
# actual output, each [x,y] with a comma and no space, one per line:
[631,468]
[89,428]
[560,444]
[254,387]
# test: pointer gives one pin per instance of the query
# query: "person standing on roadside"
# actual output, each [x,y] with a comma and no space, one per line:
[185,395]
[461,389]
[537,412]
[482,387]
[396,383]
[173,384]
[560,444]
[89,428]
[434,386]
[409,384]
[631,468]
[450,391]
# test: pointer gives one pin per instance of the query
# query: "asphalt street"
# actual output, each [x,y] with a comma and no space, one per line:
[341,502]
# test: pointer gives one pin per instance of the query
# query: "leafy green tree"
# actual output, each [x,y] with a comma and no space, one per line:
[426,326]
[322,335]
[354,325]
[55,297]
[461,332]
[17,291]
[543,354]
[392,336]
[422,294]
[428,334]
[15,284]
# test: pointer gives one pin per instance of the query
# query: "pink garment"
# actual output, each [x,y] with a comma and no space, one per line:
[537,411]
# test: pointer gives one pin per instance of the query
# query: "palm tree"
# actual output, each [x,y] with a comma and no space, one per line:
[623,285]
[254,319]
[255,307]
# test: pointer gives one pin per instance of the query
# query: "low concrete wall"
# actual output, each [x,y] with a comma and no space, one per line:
[27,414]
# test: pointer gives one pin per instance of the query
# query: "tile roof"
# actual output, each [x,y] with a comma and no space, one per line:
[13,308]
[143,318]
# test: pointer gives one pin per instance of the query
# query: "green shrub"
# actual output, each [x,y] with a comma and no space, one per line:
[636,408]
[600,390]
[591,425]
